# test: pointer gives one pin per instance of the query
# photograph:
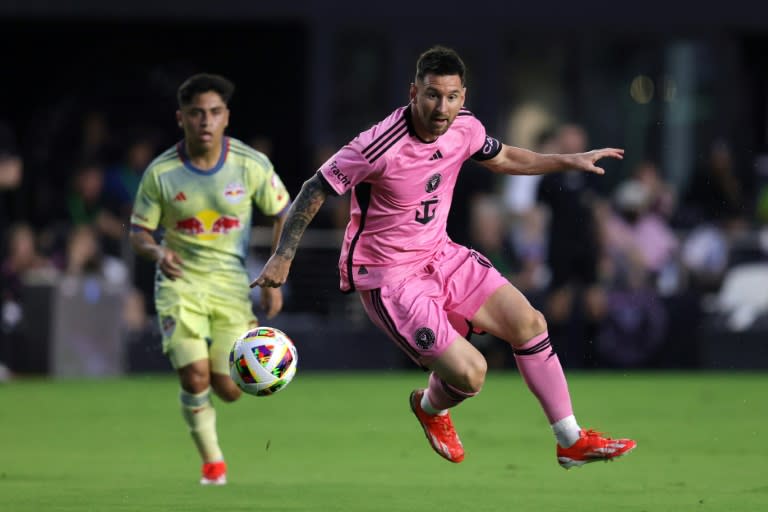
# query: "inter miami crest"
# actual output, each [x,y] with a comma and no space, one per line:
[433,183]
[428,211]
[425,338]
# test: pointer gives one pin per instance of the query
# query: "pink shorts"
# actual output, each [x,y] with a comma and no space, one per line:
[425,312]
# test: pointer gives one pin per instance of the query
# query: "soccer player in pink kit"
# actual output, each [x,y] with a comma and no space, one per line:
[425,291]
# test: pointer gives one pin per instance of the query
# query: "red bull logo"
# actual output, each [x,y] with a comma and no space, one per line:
[191,226]
[225,224]
[208,225]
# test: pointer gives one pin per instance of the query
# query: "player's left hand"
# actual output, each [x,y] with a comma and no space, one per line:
[274,273]
[271,301]
[586,161]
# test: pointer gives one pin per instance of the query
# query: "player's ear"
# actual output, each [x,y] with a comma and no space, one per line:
[178,118]
[412,92]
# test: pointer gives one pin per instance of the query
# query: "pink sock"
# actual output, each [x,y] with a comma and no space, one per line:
[540,367]
[442,395]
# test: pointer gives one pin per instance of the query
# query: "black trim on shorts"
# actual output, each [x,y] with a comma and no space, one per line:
[383,314]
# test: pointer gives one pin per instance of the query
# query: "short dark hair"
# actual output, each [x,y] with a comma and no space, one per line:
[204,82]
[440,61]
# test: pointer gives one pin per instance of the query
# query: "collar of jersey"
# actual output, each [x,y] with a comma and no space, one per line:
[411,130]
[182,150]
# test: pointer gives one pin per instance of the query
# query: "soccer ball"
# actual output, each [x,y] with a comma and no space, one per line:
[263,361]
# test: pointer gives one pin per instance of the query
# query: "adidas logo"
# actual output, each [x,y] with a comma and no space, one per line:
[180,197]
[438,155]
[363,271]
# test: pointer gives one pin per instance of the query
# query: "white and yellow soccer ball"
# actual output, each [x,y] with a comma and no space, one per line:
[263,361]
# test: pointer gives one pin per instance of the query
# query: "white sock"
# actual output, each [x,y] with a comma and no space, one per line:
[427,406]
[566,431]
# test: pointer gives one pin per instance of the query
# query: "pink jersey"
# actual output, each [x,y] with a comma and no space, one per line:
[402,189]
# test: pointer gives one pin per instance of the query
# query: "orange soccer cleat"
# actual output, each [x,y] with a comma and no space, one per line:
[214,473]
[593,447]
[438,429]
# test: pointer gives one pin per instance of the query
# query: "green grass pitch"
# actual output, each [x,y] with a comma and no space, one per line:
[348,442]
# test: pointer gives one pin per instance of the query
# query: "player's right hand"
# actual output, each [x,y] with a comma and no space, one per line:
[170,264]
[586,161]
[274,274]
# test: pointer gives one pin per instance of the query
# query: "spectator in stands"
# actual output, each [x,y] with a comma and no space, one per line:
[85,205]
[716,192]
[11,173]
[573,249]
[637,242]
[716,210]
[528,220]
[663,197]
[20,262]
[638,245]
[519,193]
[86,258]
[121,180]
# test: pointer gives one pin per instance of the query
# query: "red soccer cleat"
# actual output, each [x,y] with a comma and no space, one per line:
[593,447]
[438,429]
[214,473]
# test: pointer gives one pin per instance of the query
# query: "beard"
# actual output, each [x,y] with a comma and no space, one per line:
[436,127]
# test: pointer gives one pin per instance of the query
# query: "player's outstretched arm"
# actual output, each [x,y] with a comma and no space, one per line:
[513,160]
[300,214]
[271,299]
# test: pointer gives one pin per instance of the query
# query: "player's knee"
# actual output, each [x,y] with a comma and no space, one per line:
[531,324]
[480,369]
[194,380]
[538,323]
[473,376]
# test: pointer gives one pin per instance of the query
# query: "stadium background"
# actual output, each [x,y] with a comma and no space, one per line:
[662,81]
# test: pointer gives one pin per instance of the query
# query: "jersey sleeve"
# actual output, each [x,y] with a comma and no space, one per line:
[269,193]
[346,168]
[147,207]
[482,146]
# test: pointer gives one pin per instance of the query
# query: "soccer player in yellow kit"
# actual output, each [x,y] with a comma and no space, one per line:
[201,194]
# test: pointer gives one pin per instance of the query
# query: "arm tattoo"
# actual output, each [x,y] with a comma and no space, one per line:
[300,214]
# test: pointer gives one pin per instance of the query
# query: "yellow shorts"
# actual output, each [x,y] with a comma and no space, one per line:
[197,324]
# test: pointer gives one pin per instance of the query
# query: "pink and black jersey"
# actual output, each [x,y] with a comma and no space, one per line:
[402,189]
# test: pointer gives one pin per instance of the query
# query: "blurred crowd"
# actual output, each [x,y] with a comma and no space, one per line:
[608,267]
[623,274]
[70,222]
